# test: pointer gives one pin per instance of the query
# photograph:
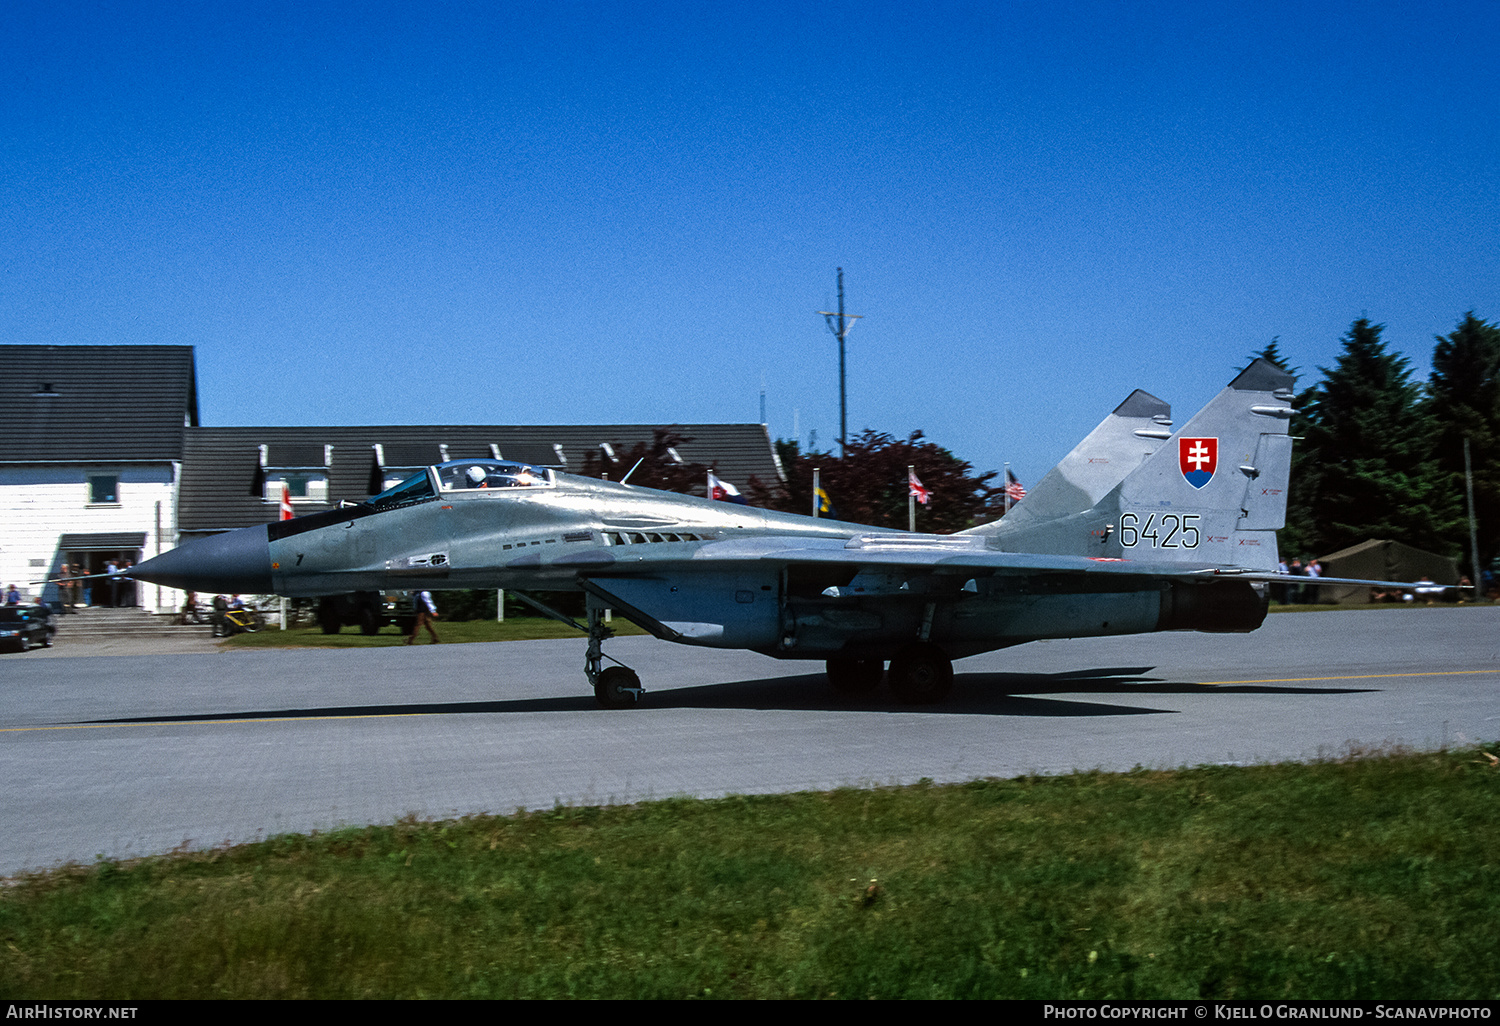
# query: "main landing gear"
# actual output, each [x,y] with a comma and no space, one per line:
[920,674]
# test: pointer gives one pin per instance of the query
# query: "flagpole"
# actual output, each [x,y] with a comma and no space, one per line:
[911,500]
[815,493]
[1006,484]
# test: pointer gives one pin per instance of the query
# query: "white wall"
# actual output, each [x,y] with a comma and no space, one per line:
[40,504]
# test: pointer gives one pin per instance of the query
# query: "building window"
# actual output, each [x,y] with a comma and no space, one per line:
[304,485]
[104,489]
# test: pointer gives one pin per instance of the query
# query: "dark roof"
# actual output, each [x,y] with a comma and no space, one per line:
[223,484]
[95,403]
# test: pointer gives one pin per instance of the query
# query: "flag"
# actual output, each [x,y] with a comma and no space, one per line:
[724,491]
[917,490]
[1013,488]
[825,504]
[286,502]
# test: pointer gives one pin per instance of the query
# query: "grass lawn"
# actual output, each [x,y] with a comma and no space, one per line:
[1361,878]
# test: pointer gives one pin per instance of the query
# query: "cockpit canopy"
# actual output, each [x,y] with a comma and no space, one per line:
[463,475]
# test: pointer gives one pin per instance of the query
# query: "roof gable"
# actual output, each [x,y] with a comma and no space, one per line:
[97,404]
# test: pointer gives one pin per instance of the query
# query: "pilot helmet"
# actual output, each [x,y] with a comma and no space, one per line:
[475,475]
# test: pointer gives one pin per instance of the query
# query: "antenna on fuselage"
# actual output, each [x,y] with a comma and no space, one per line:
[632,470]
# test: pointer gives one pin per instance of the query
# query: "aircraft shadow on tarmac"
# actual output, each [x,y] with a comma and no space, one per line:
[991,694]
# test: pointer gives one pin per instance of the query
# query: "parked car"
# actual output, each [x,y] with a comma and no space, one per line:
[24,626]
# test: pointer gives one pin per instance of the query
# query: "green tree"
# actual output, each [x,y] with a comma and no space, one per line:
[868,485]
[1464,393]
[1272,354]
[1369,434]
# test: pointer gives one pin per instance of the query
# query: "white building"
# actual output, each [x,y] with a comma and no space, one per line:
[91,441]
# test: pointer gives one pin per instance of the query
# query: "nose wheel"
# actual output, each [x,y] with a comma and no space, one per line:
[618,687]
[615,687]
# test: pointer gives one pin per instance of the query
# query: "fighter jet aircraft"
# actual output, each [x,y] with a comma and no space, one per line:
[1137,530]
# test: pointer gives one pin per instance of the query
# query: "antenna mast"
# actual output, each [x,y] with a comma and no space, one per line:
[841,331]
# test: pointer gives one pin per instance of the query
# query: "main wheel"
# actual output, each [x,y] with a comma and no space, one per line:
[371,614]
[921,674]
[855,676]
[618,687]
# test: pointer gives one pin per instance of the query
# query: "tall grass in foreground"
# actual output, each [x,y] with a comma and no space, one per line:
[1367,877]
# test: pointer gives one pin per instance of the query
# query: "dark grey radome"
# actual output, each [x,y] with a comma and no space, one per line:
[235,562]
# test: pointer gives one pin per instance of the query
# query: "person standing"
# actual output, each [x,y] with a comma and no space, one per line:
[1313,569]
[426,614]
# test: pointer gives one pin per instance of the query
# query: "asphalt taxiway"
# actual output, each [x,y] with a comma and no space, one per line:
[134,752]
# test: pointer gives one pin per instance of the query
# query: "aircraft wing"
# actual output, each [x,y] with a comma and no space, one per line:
[944,555]
[934,553]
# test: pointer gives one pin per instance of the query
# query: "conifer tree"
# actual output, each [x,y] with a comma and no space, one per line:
[1369,435]
[1464,393]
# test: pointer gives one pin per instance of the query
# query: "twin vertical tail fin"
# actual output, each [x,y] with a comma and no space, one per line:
[1215,492]
[1133,431]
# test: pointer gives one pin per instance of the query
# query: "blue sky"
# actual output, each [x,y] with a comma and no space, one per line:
[590,212]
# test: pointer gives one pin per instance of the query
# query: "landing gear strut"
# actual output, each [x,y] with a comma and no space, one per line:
[921,674]
[618,687]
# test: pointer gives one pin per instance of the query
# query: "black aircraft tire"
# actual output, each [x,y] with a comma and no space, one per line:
[613,689]
[855,676]
[330,626]
[921,674]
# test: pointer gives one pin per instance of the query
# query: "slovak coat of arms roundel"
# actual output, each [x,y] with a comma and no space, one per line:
[1198,458]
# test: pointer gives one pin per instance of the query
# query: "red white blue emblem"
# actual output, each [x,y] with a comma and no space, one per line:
[1198,458]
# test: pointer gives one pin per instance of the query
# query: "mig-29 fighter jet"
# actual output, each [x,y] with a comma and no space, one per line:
[1137,530]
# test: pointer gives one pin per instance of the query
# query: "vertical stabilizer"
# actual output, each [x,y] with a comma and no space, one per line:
[1122,441]
[1215,492]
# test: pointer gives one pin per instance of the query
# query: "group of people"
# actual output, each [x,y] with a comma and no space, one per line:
[222,606]
[77,588]
[1297,594]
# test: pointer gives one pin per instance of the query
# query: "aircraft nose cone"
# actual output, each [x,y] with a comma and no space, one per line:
[232,562]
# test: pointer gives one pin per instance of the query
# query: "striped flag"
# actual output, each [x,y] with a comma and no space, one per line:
[1013,488]
[917,490]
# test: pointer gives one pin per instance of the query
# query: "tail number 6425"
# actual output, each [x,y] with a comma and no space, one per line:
[1159,530]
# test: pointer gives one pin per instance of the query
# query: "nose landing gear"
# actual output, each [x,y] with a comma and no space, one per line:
[615,687]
